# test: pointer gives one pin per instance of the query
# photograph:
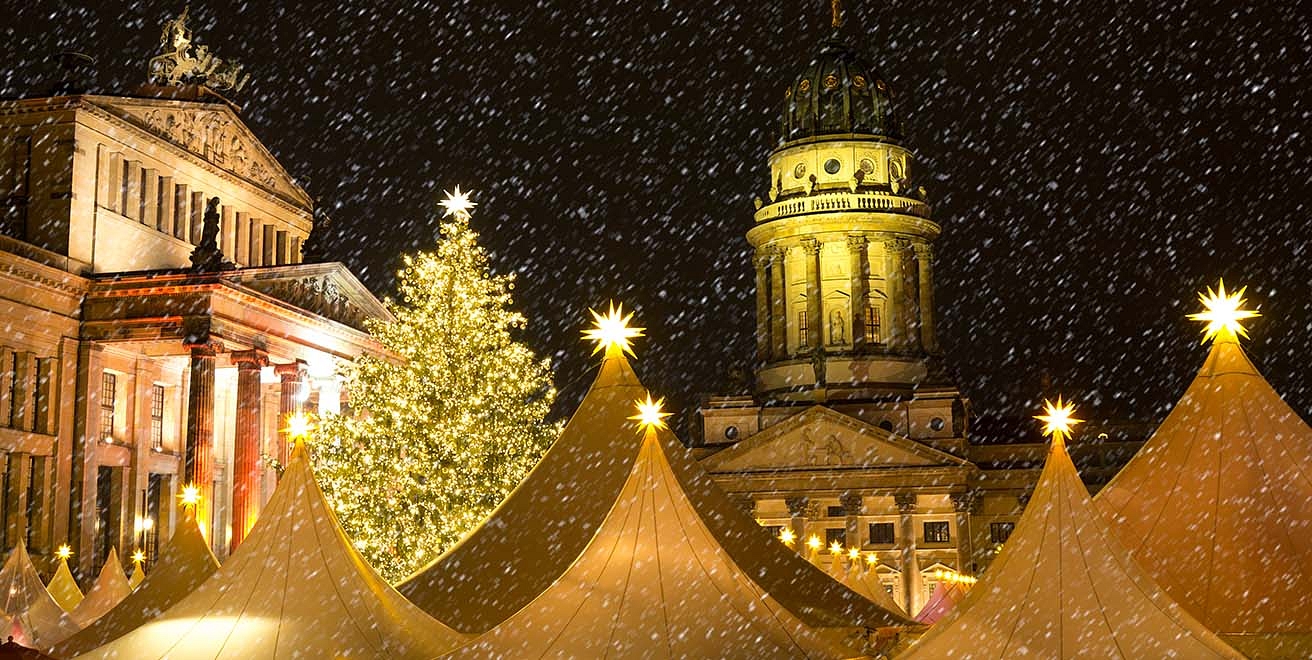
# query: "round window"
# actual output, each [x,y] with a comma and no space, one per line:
[832,166]
[886,425]
[799,171]
[731,433]
[936,423]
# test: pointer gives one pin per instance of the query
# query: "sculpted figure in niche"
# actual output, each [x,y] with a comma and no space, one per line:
[837,327]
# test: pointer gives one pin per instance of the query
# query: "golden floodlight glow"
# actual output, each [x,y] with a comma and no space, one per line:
[138,557]
[1058,420]
[64,552]
[190,495]
[457,203]
[814,542]
[787,536]
[612,329]
[1223,313]
[650,417]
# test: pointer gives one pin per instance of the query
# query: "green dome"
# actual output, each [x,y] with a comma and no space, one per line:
[838,93]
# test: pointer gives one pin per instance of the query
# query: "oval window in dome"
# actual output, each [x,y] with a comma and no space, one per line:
[799,171]
[832,166]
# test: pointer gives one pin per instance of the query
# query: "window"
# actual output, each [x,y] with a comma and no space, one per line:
[835,535]
[872,325]
[999,532]
[801,328]
[937,532]
[881,533]
[108,394]
[836,512]
[775,530]
[157,417]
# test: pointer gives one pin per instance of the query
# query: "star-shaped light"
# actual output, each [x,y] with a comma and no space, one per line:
[457,203]
[1058,420]
[872,559]
[835,548]
[787,535]
[1223,313]
[299,426]
[854,553]
[650,416]
[814,542]
[190,495]
[138,557]
[612,329]
[64,552]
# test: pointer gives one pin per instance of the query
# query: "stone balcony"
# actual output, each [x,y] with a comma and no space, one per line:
[827,202]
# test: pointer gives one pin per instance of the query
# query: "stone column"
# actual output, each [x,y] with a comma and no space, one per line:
[290,402]
[247,444]
[814,296]
[852,510]
[761,262]
[18,476]
[778,303]
[911,585]
[928,336]
[911,295]
[85,460]
[964,504]
[859,264]
[797,510]
[893,283]
[198,455]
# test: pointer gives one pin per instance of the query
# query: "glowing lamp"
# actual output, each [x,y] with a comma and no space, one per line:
[814,542]
[299,426]
[138,557]
[612,330]
[64,552]
[650,416]
[835,548]
[854,553]
[787,535]
[457,203]
[1058,419]
[1223,313]
[190,495]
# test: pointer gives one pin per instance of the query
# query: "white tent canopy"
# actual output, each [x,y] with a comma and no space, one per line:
[1219,502]
[295,588]
[1063,587]
[110,588]
[31,615]
[63,588]
[184,564]
[534,536]
[653,582]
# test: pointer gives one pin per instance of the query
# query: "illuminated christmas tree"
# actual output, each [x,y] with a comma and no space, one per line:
[444,430]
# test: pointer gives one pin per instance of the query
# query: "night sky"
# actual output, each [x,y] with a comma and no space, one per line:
[1093,164]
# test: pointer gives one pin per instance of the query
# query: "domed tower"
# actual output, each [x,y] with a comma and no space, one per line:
[844,282]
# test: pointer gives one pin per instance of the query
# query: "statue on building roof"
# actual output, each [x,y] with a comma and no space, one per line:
[208,256]
[177,64]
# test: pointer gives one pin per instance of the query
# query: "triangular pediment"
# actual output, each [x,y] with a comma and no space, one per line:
[325,289]
[820,437]
[211,131]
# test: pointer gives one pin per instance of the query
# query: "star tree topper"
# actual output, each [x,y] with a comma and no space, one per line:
[650,416]
[457,203]
[612,330]
[1223,314]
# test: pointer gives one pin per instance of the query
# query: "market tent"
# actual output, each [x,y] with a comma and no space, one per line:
[653,581]
[534,536]
[62,587]
[1063,587]
[295,588]
[138,575]
[1219,500]
[184,563]
[110,588]
[946,596]
[31,615]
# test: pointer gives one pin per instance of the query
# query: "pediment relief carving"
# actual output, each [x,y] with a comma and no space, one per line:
[325,294]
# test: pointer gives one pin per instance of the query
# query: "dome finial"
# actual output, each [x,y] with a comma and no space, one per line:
[836,13]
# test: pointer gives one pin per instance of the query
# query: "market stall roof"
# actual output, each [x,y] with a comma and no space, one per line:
[31,615]
[653,580]
[110,588]
[184,563]
[295,588]
[62,587]
[1063,587]
[536,534]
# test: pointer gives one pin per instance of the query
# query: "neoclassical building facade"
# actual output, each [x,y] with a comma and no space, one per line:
[853,432]
[128,368]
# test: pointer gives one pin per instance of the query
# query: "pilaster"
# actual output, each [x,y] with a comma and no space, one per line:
[247,444]
[911,583]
